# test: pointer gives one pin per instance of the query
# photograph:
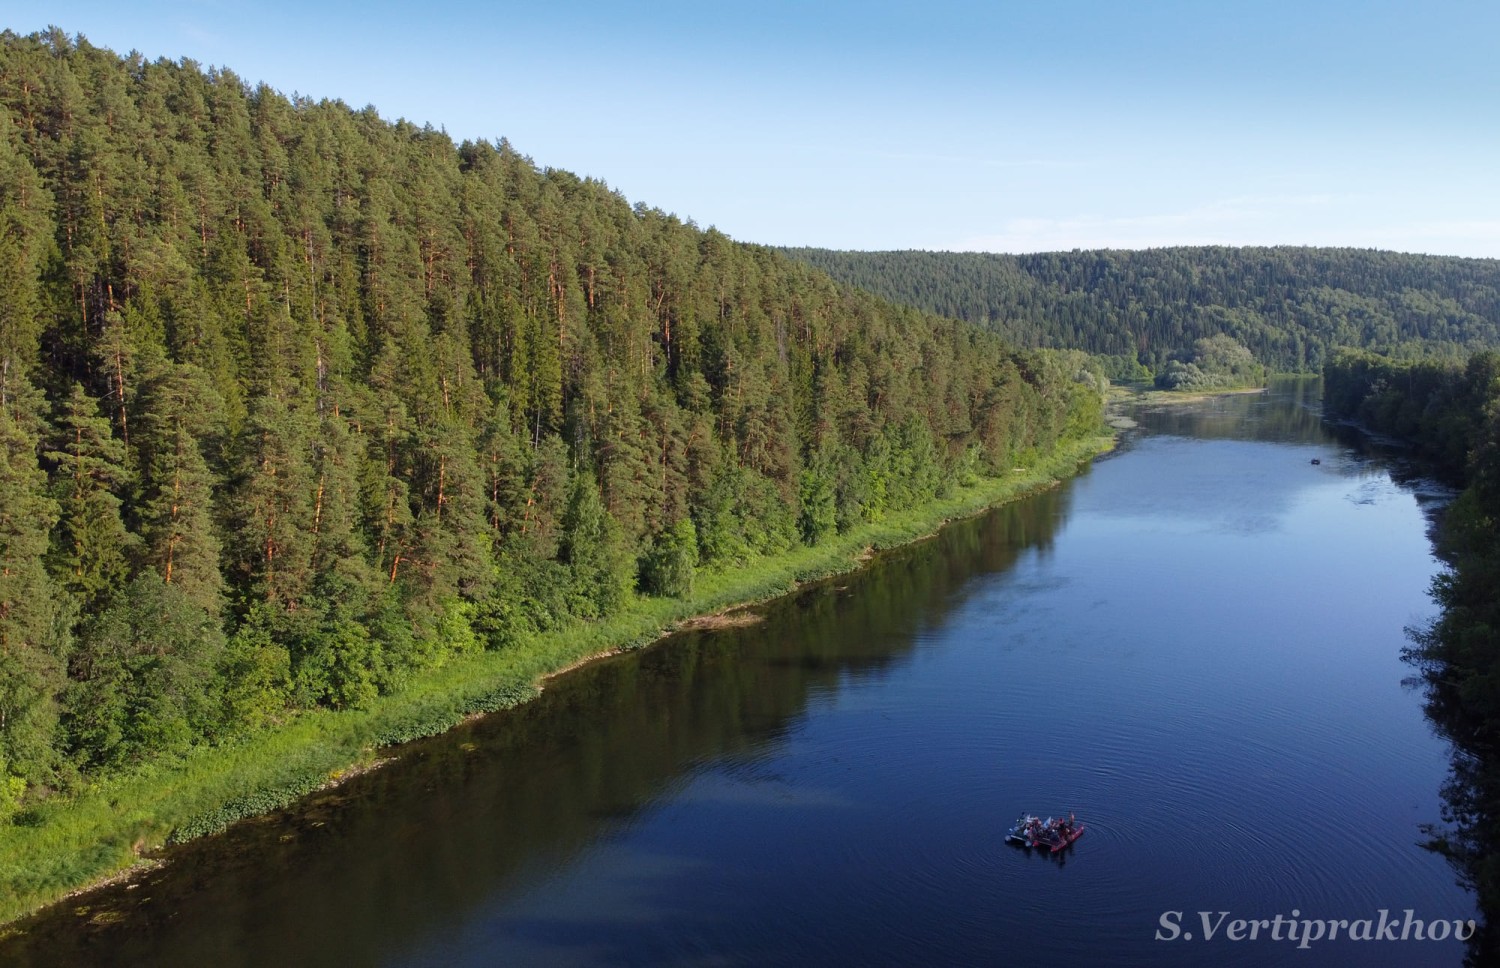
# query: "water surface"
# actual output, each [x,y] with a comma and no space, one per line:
[1194,646]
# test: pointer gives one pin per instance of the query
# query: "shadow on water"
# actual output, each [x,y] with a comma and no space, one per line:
[1449,654]
[355,875]
[825,787]
[1470,834]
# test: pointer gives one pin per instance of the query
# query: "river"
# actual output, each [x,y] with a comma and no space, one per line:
[1194,646]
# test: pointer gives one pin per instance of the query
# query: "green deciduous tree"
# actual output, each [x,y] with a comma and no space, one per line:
[144,674]
[669,565]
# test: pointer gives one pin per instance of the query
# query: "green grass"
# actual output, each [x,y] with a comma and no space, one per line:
[1151,395]
[69,843]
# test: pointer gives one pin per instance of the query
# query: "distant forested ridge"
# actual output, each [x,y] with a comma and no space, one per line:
[297,402]
[1290,306]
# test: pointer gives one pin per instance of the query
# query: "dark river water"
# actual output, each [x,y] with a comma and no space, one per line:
[1194,646]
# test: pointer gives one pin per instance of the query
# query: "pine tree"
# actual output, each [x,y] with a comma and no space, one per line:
[387,485]
[178,412]
[817,499]
[419,391]
[91,548]
[339,548]
[33,621]
[593,549]
[451,535]
[624,467]
[273,508]
[502,466]
[25,223]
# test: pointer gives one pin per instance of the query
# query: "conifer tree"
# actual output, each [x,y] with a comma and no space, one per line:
[178,412]
[273,508]
[379,393]
[593,549]
[91,548]
[33,621]
[25,220]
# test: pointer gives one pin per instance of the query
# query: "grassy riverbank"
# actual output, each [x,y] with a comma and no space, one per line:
[71,843]
[1194,396]
[1151,395]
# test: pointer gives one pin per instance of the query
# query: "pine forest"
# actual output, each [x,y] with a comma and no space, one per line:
[297,402]
[1290,306]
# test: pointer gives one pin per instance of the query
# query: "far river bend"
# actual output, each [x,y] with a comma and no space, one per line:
[1194,646]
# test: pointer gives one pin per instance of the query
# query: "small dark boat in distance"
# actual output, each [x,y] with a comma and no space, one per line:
[1316,461]
[1052,834]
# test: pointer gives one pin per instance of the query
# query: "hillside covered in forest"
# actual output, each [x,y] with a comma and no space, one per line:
[297,403]
[1289,305]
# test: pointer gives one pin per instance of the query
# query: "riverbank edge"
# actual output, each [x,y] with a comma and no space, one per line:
[1151,396]
[116,829]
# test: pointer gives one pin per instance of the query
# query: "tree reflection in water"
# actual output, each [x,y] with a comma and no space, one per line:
[1456,656]
[1469,836]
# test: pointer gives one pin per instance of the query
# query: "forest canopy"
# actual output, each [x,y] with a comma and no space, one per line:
[297,402]
[1290,306]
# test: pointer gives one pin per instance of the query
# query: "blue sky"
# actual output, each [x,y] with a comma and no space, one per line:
[999,126]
